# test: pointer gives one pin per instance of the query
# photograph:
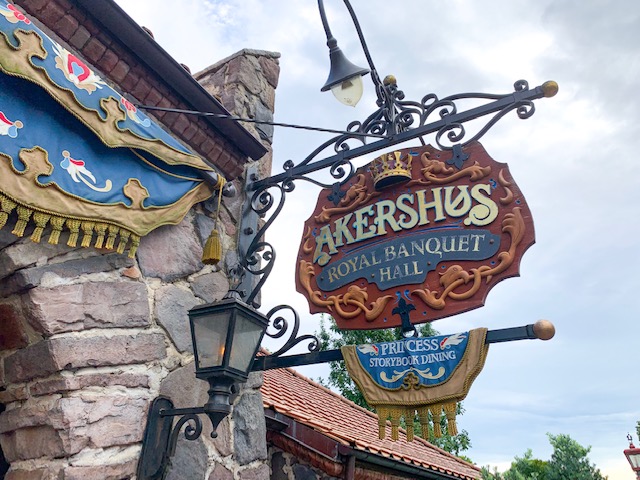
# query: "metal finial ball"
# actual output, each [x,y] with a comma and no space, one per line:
[544,329]
[390,80]
[550,88]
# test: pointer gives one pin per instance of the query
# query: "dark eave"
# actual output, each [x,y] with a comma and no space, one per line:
[149,52]
[321,447]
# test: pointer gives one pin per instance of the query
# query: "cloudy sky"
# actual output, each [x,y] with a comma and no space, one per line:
[573,160]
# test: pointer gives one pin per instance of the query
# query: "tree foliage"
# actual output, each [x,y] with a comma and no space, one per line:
[331,337]
[569,461]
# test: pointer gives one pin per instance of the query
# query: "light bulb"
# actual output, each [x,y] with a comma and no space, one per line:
[349,91]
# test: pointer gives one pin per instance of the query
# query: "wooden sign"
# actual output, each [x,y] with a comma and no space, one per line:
[418,231]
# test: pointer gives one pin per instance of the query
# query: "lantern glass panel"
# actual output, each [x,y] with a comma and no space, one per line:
[247,336]
[634,459]
[210,332]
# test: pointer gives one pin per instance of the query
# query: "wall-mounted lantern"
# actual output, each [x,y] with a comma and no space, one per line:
[633,455]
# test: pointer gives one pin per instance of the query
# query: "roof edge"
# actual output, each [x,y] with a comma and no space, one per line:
[121,25]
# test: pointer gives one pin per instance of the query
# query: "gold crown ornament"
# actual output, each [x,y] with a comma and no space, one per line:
[390,169]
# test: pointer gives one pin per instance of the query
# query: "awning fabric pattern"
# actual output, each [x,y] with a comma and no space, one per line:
[76,155]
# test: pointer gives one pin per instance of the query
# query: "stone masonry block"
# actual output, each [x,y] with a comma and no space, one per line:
[260,472]
[31,277]
[211,287]
[103,472]
[243,69]
[69,353]
[25,254]
[50,473]
[87,305]
[270,69]
[13,333]
[250,432]
[65,426]
[171,252]
[172,305]
[32,442]
[77,382]
[221,473]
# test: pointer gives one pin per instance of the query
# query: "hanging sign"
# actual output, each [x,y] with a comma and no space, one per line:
[418,233]
[417,376]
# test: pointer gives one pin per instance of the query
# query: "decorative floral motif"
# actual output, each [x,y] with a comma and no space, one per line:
[13,15]
[78,171]
[355,196]
[132,113]
[356,298]
[76,71]
[9,128]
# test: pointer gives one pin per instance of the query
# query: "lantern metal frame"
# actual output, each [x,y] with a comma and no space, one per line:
[633,456]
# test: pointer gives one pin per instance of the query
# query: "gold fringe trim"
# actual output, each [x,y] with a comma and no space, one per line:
[41,220]
[427,414]
[450,412]
[111,237]
[101,230]
[6,206]
[87,230]
[24,214]
[74,228]
[436,415]
[56,229]
[57,223]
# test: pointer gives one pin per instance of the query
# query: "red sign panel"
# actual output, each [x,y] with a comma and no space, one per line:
[418,226]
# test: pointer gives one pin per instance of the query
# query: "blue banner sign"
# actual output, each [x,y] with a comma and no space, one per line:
[419,361]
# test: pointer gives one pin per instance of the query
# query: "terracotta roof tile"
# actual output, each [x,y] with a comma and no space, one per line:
[311,404]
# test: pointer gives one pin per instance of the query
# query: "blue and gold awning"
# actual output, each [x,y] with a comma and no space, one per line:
[76,155]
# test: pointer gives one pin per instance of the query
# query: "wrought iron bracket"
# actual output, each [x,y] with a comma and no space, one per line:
[161,436]
[526,332]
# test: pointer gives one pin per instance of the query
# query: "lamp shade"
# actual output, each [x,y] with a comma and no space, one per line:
[345,78]
[633,455]
[226,337]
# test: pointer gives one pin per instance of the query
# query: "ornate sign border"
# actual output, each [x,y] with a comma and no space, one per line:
[450,287]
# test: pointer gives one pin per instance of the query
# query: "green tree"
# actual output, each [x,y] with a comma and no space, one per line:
[569,461]
[331,337]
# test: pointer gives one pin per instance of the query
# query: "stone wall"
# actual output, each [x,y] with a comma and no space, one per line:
[89,337]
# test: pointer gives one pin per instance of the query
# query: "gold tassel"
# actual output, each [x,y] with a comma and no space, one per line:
[74,229]
[383,413]
[436,415]
[41,220]
[423,415]
[450,411]
[101,230]
[87,230]
[6,207]
[135,243]
[56,229]
[409,416]
[395,414]
[212,251]
[111,238]
[23,219]
[124,238]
